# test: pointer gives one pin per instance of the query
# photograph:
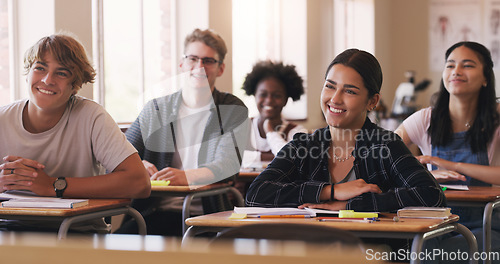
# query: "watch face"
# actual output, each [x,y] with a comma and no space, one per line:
[60,184]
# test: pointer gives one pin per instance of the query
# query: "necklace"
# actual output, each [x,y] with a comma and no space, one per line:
[341,159]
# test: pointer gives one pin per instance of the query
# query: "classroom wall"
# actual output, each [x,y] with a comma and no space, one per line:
[401,44]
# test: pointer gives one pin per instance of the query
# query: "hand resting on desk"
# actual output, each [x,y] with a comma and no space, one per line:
[446,171]
[342,193]
[178,177]
[175,176]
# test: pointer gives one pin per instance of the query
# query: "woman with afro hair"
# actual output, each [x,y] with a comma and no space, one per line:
[272,83]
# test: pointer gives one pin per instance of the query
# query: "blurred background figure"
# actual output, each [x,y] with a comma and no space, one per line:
[272,83]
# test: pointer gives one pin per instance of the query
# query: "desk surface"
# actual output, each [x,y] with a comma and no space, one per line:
[474,194]
[386,224]
[93,206]
[45,248]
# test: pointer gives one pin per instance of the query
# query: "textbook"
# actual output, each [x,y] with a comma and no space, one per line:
[46,203]
[22,199]
[425,212]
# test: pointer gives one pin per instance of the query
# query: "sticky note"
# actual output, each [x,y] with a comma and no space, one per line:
[237,216]
[159,183]
[352,214]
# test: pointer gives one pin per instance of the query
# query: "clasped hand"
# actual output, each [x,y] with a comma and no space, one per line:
[18,173]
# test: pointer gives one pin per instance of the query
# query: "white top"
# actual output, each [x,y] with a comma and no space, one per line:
[416,127]
[188,135]
[274,140]
[85,142]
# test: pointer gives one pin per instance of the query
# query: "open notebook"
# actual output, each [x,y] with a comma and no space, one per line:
[26,199]
[258,211]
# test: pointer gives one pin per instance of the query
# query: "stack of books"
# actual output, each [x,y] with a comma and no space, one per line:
[425,212]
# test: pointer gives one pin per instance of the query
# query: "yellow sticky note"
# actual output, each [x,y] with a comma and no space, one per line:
[237,216]
[352,214]
[159,183]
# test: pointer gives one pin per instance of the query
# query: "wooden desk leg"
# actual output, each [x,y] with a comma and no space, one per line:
[488,212]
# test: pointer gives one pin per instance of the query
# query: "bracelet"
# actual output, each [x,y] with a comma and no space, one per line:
[332,192]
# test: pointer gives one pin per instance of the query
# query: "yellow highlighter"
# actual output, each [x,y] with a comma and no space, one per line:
[352,214]
[159,183]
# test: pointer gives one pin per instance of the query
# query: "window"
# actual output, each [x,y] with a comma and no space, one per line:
[5,86]
[354,22]
[269,29]
[135,45]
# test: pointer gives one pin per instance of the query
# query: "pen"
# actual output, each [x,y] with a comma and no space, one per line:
[284,216]
[355,220]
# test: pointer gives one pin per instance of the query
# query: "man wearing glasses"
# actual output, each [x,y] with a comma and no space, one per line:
[194,136]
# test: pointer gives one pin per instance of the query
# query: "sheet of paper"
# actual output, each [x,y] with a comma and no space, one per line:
[272,211]
[455,187]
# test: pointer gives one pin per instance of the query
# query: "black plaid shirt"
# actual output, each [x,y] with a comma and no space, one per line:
[300,170]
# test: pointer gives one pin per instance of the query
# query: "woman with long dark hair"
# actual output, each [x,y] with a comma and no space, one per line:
[460,135]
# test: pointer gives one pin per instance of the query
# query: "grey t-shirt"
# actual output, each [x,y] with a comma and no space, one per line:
[85,142]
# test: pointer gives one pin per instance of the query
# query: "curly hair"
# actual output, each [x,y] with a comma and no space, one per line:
[286,74]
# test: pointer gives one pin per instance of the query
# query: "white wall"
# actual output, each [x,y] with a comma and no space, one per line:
[45,17]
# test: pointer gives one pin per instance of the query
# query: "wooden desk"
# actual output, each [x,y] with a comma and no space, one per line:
[28,248]
[248,176]
[97,208]
[189,194]
[417,229]
[478,196]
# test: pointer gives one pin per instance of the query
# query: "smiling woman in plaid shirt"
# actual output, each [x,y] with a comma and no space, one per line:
[352,163]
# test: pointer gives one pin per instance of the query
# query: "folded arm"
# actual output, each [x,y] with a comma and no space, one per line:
[128,180]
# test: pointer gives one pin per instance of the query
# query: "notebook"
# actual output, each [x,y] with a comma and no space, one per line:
[25,199]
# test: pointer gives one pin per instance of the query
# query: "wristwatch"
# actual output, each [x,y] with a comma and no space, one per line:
[60,185]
